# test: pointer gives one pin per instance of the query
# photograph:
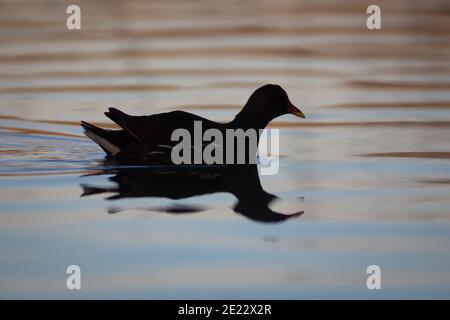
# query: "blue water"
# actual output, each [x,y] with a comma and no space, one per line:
[367,172]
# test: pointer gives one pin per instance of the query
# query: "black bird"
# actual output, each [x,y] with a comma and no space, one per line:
[181,182]
[148,138]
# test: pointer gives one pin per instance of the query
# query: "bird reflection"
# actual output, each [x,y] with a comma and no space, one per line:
[181,182]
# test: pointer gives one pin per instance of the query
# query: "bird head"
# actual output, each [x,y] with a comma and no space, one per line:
[273,102]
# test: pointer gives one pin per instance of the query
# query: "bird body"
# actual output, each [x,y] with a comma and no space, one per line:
[150,138]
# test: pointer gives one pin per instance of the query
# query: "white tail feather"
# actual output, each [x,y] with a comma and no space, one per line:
[102,142]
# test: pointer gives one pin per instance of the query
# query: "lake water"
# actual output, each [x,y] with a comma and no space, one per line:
[369,166]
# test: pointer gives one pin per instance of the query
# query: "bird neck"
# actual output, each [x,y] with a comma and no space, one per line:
[250,117]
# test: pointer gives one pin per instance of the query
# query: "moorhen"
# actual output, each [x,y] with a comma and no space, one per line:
[149,138]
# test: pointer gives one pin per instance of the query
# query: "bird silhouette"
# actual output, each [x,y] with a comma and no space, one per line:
[149,138]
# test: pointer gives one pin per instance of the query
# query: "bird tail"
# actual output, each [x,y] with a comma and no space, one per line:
[134,125]
[101,137]
[119,117]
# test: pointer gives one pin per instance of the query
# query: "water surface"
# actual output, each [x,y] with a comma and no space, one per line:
[369,167]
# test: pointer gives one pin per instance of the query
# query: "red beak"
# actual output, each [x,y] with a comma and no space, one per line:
[294,110]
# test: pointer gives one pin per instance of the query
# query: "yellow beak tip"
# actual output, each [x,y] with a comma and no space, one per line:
[300,114]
